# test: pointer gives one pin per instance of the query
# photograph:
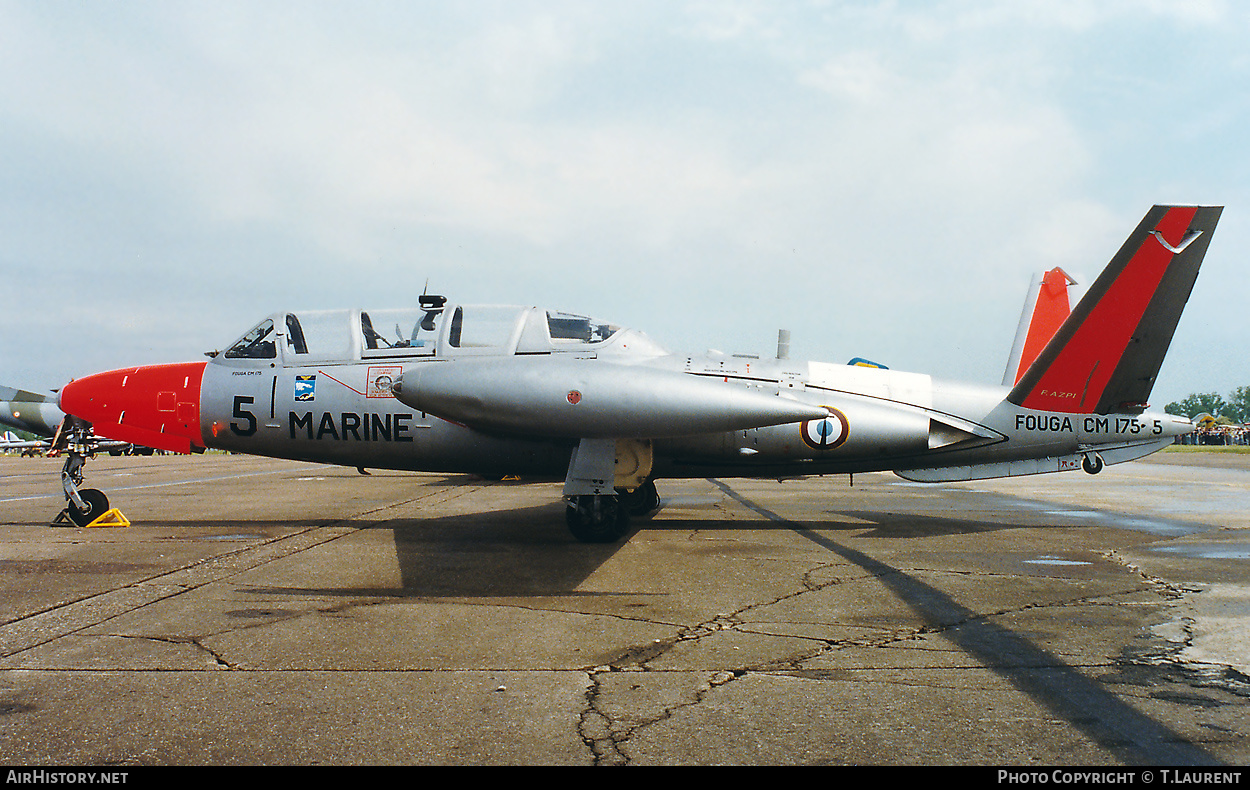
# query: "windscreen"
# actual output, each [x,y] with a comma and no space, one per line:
[256,344]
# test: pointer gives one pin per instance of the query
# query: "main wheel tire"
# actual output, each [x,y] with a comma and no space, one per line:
[642,502]
[97,505]
[597,519]
[1092,463]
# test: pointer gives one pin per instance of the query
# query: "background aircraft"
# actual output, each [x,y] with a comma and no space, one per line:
[11,441]
[29,411]
[525,391]
[40,415]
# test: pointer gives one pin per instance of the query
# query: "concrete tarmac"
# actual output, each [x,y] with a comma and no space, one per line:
[272,612]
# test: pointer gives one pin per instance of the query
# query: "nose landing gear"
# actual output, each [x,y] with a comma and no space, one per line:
[82,505]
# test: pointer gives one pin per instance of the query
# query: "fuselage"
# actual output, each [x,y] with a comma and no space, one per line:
[321,387]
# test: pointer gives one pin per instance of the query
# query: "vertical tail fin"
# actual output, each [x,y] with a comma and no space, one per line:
[1106,355]
[1045,309]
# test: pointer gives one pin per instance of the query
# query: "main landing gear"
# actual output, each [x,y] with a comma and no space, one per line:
[609,480]
[643,501]
[596,518]
[604,518]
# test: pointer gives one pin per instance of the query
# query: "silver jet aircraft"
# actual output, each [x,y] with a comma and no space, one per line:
[526,391]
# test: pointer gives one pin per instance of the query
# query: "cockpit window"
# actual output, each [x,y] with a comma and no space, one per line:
[317,335]
[483,326]
[406,332]
[256,344]
[567,329]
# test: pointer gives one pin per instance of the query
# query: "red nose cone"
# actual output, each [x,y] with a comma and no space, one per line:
[156,406]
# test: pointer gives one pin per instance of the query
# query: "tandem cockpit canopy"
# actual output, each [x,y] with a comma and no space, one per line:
[431,329]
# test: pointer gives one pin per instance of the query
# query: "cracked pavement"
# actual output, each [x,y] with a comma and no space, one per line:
[270,612]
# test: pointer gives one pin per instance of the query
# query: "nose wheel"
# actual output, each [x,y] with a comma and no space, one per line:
[97,504]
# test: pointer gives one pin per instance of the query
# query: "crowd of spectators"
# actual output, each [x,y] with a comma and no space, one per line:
[1218,435]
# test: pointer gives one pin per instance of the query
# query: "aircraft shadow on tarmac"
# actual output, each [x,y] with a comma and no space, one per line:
[870,524]
[527,553]
[1083,702]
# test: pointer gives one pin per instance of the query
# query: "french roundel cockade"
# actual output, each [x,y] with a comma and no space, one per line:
[827,434]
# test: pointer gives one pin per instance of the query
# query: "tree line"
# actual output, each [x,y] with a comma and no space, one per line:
[1235,409]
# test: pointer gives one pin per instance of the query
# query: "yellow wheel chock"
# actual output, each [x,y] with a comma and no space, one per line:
[110,518]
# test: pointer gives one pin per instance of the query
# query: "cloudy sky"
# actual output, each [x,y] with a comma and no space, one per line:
[881,178]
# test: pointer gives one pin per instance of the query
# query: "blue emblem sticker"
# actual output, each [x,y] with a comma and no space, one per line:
[305,388]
